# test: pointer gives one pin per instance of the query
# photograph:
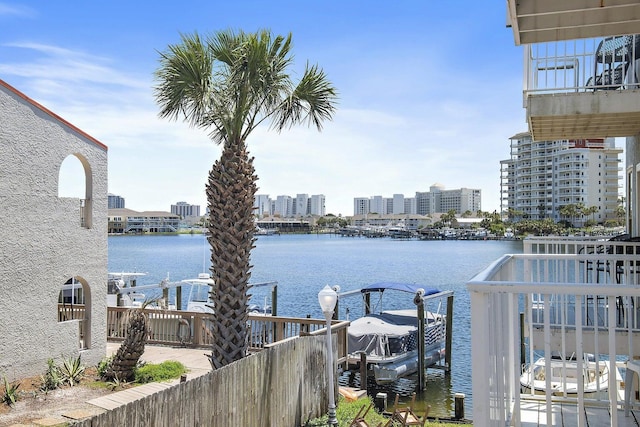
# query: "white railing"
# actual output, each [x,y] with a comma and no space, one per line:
[581,65]
[572,296]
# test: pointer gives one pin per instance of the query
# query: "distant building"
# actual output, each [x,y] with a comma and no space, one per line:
[185,210]
[397,204]
[123,221]
[361,206]
[283,206]
[377,204]
[316,205]
[300,205]
[289,207]
[410,221]
[115,202]
[436,200]
[262,205]
[543,176]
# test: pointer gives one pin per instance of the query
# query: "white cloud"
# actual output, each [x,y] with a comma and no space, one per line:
[16,10]
[409,138]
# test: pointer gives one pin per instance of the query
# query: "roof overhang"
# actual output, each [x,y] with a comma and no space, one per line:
[539,21]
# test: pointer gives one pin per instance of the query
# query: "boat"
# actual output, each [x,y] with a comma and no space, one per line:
[265,231]
[389,338]
[564,376]
[124,291]
[200,300]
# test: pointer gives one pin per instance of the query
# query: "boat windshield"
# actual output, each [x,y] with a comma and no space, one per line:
[199,293]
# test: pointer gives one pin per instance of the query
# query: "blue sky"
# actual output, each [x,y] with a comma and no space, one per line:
[430,92]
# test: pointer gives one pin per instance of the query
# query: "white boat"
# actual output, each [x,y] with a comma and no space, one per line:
[265,231]
[200,300]
[389,339]
[124,291]
[563,377]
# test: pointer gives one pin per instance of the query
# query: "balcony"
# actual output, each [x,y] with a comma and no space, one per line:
[562,295]
[583,88]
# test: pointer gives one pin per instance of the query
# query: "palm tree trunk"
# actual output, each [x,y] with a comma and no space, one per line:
[123,365]
[230,193]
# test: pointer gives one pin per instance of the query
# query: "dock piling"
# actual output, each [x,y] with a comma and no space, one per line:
[459,406]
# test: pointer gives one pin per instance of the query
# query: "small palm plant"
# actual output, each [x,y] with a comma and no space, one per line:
[123,364]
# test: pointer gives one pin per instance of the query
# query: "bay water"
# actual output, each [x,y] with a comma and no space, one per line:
[303,264]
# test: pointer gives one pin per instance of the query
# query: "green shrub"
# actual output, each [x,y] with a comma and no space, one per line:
[103,365]
[51,379]
[164,371]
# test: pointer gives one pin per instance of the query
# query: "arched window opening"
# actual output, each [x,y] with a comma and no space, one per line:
[73,305]
[74,181]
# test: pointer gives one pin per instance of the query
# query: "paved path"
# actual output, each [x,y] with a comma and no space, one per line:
[195,360]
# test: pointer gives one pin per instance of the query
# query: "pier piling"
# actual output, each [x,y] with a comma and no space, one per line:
[459,406]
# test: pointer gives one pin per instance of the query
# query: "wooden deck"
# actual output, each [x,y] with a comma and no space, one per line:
[534,414]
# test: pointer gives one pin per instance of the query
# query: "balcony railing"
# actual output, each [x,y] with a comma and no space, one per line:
[564,295]
[582,65]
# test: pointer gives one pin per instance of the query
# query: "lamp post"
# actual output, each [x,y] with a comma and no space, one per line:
[327,298]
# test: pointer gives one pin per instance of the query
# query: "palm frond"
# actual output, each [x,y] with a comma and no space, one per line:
[312,101]
[185,81]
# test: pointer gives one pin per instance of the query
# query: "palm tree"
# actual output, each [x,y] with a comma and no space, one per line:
[230,83]
[122,366]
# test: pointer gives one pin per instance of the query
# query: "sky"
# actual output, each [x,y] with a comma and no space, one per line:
[429,92]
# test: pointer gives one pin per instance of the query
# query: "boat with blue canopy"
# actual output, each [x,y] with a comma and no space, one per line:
[390,339]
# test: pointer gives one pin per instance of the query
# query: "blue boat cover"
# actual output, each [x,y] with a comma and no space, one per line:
[403,287]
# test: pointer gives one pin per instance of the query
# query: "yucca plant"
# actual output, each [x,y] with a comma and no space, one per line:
[71,371]
[10,395]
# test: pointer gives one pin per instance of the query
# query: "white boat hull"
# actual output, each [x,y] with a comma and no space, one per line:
[564,378]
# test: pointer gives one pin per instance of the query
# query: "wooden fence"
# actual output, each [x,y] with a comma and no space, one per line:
[283,386]
[190,329]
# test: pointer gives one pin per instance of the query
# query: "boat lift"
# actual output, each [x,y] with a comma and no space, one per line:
[420,299]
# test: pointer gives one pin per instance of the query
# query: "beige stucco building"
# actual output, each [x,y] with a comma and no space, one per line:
[49,241]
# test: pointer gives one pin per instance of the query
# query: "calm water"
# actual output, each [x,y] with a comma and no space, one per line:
[303,264]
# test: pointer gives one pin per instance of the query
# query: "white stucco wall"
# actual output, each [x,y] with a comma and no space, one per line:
[43,243]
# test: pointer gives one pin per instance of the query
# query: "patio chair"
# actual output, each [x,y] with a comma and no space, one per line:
[406,416]
[613,59]
[359,421]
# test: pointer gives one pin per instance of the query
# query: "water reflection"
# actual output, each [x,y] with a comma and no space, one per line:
[437,393]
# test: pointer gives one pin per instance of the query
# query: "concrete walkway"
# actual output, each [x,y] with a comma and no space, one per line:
[195,360]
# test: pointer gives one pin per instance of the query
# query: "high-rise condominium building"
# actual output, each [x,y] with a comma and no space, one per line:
[289,207]
[301,205]
[184,209]
[115,202]
[262,204]
[543,176]
[436,200]
[316,205]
